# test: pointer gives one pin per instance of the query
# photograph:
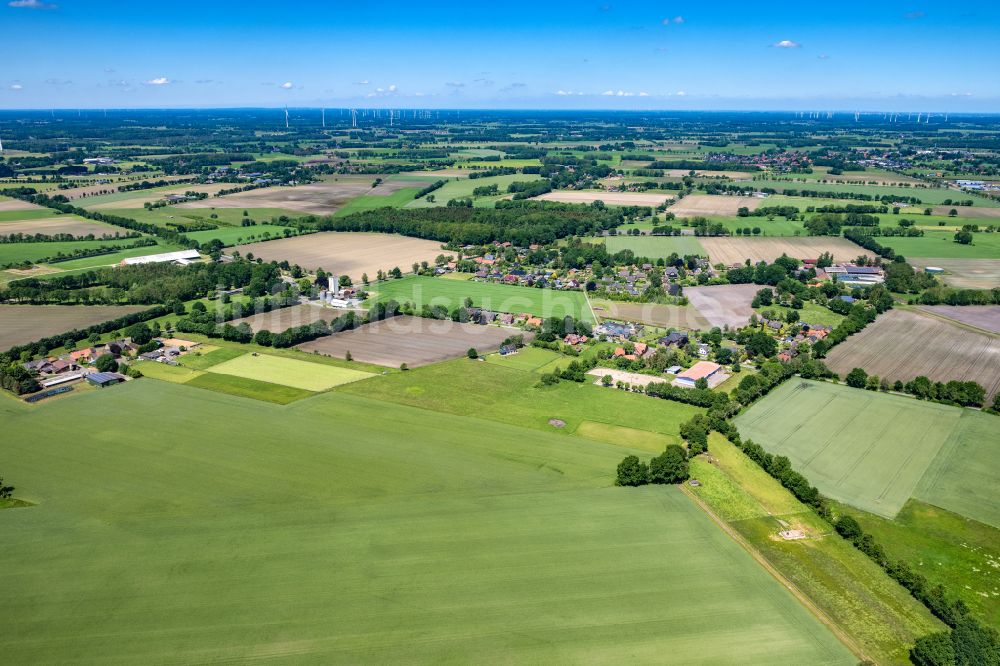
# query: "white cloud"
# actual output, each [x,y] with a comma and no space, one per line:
[608,93]
[30,4]
[287,85]
[823,56]
[58,82]
[643,94]
[363,82]
[787,44]
[16,86]
[392,88]
[681,93]
[158,81]
[677,20]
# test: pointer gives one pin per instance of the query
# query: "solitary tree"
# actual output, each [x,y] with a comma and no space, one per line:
[472,353]
[857,378]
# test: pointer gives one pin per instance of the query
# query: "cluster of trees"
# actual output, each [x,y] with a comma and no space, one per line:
[964,393]
[519,222]
[763,273]
[966,643]
[62,238]
[951,296]
[14,378]
[671,466]
[436,185]
[859,317]
[529,189]
[770,212]
[298,334]
[863,237]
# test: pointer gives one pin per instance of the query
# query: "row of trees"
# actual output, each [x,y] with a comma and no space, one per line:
[966,394]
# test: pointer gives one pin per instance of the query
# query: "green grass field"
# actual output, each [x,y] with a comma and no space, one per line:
[421,290]
[528,358]
[929,196]
[948,549]
[811,313]
[943,245]
[345,530]
[288,372]
[375,200]
[857,596]
[205,360]
[113,258]
[461,188]
[871,450]
[172,215]
[35,214]
[655,247]
[15,252]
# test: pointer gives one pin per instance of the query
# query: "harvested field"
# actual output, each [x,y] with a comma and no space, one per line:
[137,198]
[712,204]
[411,340]
[347,253]
[986,317]
[315,198]
[95,190]
[20,324]
[979,212]
[904,344]
[733,250]
[724,303]
[610,198]
[65,224]
[652,314]
[277,321]
[965,273]
[16,204]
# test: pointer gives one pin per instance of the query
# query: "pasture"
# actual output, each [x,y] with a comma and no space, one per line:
[609,198]
[655,247]
[708,205]
[295,373]
[347,253]
[942,244]
[871,450]
[12,253]
[411,340]
[651,314]
[461,188]
[451,294]
[730,250]
[361,527]
[723,304]
[903,344]
[20,324]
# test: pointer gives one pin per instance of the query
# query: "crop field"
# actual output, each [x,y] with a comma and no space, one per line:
[461,188]
[935,244]
[52,225]
[964,273]
[927,195]
[978,212]
[33,252]
[708,205]
[871,450]
[321,198]
[136,198]
[469,567]
[7,205]
[610,198]
[411,340]
[948,549]
[277,321]
[985,317]
[376,199]
[421,291]
[734,250]
[20,324]
[651,314]
[347,253]
[906,344]
[288,372]
[655,247]
[723,304]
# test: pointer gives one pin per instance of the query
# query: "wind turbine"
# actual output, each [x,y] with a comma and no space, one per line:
[324,117]
[286,117]
[354,117]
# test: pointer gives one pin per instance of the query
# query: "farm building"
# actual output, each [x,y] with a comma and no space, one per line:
[103,379]
[182,256]
[701,370]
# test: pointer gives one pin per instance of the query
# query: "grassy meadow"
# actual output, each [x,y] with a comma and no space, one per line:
[223,534]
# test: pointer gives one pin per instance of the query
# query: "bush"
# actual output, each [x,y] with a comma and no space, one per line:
[857,378]
[472,353]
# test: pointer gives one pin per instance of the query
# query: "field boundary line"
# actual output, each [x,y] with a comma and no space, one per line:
[954,322]
[777,575]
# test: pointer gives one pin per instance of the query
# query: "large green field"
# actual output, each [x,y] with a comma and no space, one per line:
[186,526]
[875,450]
[933,196]
[460,188]
[422,291]
[288,372]
[15,252]
[943,245]
[655,247]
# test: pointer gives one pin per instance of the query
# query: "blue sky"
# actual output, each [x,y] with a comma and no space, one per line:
[514,54]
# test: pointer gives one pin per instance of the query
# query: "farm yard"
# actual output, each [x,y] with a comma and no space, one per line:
[906,344]
[421,291]
[707,205]
[964,273]
[410,340]
[609,198]
[735,250]
[724,304]
[876,450]
[474,554]
[20,324]
[346,253]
